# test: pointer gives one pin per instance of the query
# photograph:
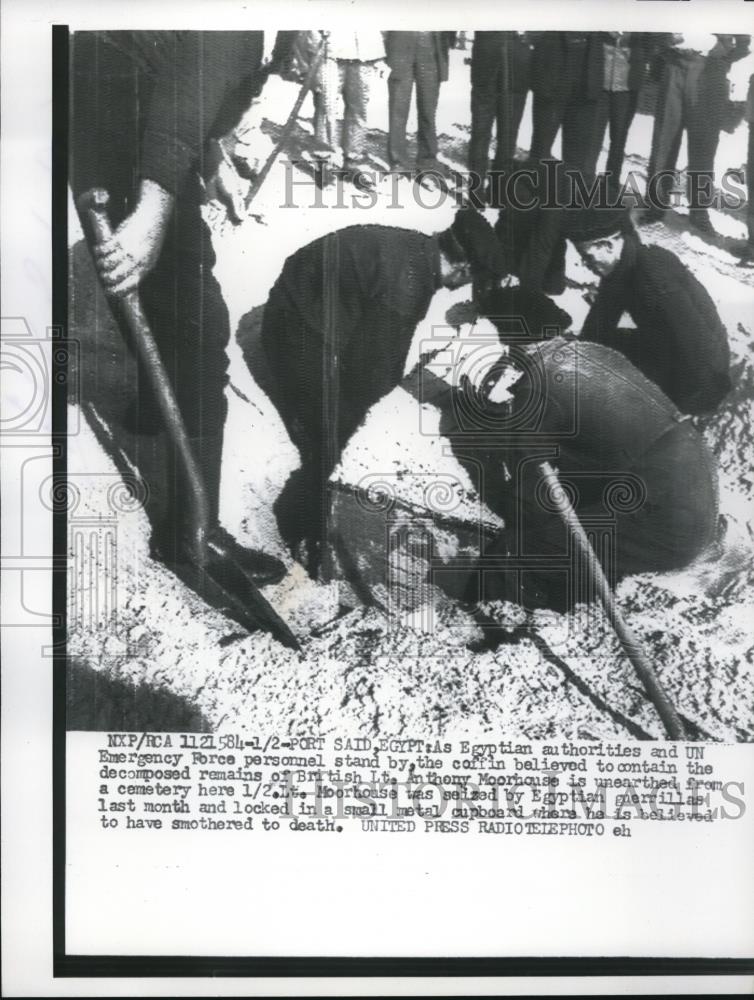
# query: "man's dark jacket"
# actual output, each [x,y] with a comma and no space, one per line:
[339,323]
[552,71]
[143,105]
[186,87]
[442,41]
[679,342]
[508,51]
[531,230]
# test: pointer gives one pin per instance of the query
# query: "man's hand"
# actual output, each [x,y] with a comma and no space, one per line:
[132,251]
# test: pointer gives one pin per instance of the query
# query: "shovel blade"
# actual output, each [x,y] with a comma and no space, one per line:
[224,585]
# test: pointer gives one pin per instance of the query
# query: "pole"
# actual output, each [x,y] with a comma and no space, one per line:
[93,210]
[290,121]
[631,645]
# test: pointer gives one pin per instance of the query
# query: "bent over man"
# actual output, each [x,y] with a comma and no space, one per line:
[337,329]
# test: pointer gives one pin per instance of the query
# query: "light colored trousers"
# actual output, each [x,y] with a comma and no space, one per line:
[352,79]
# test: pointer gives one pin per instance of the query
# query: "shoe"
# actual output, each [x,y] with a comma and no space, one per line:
[300,519]
[363,180]
[398,171]
[495,190]
[171,540]
[168,546]
[436,167]
[700,220]
[431,179]
[262,567]
[747,256]
[324,174]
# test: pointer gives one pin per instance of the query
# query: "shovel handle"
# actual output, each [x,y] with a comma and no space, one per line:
[290,121]
[631,645]
[92,207]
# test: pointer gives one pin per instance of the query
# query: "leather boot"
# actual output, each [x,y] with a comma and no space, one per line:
[170,542]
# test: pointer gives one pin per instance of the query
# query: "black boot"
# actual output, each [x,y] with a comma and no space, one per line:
[171,542]
[700,220]
[300,519]
[264,568]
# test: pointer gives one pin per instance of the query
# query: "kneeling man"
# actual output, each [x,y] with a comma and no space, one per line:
[653,310]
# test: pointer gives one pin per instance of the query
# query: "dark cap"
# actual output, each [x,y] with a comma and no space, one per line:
[476,241]
[595,223]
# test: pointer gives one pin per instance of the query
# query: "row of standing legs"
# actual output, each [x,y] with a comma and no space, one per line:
[691,97]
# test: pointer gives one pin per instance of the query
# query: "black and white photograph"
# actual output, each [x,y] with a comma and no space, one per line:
[438,427]
[389,451]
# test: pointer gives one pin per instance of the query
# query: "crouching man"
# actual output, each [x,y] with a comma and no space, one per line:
[638,473]
[653,310]
[336,332]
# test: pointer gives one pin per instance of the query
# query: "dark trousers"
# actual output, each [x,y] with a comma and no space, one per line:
[616,108]
[181,298]
[412,60]
[691,96]
[323,380]
[577,115]
[567,106]
[491,102]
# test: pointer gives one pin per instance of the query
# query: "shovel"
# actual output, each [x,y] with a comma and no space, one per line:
[306,86]
[209,570]
[631,646]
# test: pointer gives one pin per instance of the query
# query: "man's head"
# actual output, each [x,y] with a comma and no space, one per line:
[469,250]
[599,235]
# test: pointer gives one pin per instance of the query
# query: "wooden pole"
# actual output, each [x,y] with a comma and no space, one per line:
[631,645]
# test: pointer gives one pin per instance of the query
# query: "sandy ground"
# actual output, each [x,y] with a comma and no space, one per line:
[395,654]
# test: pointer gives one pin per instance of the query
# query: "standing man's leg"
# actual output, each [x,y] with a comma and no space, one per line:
[666,138]
[601,119]
[185,307]
[547,117]
[510,111]
[325,99]
[485,86]
[622,110]
[355,79]
[184,303]
[707,93]
[401,54]
[427,94]
[580,119]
